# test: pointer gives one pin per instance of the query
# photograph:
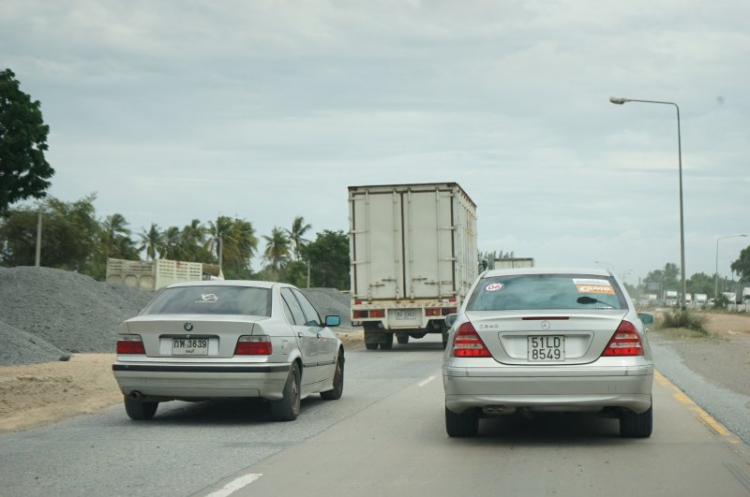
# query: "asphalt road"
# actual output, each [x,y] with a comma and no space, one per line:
[384,437]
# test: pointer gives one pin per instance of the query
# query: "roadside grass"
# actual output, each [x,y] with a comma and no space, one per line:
[681,333]
[689,324]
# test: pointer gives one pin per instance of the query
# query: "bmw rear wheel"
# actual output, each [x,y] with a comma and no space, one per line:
[287,408]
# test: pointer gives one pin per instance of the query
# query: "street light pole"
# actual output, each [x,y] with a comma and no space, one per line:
[716,291]
[620,101]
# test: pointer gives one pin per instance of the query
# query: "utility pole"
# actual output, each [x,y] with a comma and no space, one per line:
[38,258]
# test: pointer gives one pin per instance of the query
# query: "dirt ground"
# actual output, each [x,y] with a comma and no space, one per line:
[39,394]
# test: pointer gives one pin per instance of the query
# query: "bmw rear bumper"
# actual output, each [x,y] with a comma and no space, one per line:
[164,381]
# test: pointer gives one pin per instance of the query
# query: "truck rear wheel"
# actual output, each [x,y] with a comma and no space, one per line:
[387,343]
[372,336]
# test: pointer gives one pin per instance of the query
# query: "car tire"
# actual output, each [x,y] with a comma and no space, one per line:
[287,408]
[138,410]
[338,381]
[387,343]
[403,338]
[634,425]
[465,424]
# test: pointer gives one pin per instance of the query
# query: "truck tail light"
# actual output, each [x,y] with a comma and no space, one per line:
[468,343]
[377,313]
[449,310]
[432,312]
[625,342]
[359,314]
[254,345]
[130,344]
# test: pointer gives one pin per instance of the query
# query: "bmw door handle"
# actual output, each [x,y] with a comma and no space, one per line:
[319,335]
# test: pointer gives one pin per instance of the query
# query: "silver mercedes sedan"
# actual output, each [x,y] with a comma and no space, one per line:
[556,340]
[228,339]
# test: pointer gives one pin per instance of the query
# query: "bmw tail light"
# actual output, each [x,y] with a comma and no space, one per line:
[625,342]
[254,345]
[130,344]
[468,343]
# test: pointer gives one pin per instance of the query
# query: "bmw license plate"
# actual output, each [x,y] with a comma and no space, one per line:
[546,348]
[189,346]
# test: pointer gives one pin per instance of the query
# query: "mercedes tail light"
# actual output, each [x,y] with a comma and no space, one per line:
[625,342]
[468,343]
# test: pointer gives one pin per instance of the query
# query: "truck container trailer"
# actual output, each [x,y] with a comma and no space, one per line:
[414,256]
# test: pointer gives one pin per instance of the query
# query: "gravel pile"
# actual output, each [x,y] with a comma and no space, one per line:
[47,314]
[330,301]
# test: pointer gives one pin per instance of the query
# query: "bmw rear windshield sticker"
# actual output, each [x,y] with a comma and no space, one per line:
[493,287]
[602,287]
[207,298]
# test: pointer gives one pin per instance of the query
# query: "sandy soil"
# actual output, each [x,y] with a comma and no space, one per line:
[38,394]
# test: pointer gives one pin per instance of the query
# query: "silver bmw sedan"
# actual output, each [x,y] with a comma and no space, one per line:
[556,340]
[228,339]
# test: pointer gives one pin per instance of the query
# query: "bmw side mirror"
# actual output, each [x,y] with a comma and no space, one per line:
[333,320]
[450,319]
[646,318]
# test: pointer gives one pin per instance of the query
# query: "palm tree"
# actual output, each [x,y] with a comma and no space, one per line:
[151,242]
[277,249]
[172,248]
[193,241]
[114,232]
[233,241]
[299,228]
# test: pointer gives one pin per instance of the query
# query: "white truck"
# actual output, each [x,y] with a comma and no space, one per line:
[414,256]
[671,298]
[514,262]
[153,275]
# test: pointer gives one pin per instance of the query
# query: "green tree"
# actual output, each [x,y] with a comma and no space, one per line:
[70,234]
[171,244]
[670,274]
[328,256]
[113,240]
[24,172]
[193,239]
[296,234]
[151,242]
[278,248]
[701,283]
[742,265]
[234,243]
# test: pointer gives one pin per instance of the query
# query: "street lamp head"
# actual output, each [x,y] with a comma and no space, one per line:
[618,100]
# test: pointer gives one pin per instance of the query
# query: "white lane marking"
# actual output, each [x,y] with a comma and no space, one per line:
[425,382]
[235,485]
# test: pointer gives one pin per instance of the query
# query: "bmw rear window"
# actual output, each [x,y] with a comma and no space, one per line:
[546,291]
[212,300]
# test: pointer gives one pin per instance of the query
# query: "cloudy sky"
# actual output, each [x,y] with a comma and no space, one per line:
[269,109]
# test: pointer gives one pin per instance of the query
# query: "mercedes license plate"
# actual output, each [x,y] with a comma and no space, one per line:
[546,348]
[189,346]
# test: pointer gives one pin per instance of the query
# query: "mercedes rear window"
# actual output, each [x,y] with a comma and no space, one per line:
[546,291]
[212,300]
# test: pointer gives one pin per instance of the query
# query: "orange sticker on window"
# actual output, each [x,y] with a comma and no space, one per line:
[599,289]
